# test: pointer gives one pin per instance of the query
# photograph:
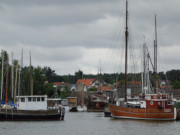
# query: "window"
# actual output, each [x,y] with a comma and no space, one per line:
[42,98]
[29,99]
[159,103]
[22,99]
[34,99]
[38,98]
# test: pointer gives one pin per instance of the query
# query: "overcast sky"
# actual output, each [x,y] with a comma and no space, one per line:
[68,35]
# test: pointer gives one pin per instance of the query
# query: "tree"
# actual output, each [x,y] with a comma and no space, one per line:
[50,74]
[39,81]
[162,75]
[78,75]
[65,92]
[176,85]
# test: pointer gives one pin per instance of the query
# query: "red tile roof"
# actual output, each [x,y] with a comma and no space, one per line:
[105,88]
[59,83]
[86,81]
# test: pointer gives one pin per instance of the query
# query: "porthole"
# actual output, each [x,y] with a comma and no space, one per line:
[168,102]
[151,103]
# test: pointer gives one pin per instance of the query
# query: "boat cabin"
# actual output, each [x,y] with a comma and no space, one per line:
[157,101]
[36,102]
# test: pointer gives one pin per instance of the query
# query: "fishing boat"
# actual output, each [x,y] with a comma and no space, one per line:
[156,105]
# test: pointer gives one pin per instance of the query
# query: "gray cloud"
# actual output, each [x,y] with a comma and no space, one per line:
[66,31]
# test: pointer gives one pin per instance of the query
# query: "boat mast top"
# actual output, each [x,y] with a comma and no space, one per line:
[126,50]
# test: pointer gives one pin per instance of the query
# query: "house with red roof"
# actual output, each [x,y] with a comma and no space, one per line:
[60,83]
[86,81]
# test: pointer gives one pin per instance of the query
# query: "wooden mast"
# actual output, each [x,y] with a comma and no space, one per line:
[155,59]
[2,72]
[126,51]
[31,80]
[82,94]
[12,79]
[15,89]
[6,79]
[20,68]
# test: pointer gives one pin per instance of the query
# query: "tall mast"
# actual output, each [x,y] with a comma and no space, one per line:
[155,58]
[21,66]
[2,77]
[6,79]
[144,66]
[12,79]
[126,51]
[31,80]
[15,90]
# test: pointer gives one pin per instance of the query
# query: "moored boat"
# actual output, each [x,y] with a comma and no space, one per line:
[30,108]
[97,102]
[151,104]
[153,107]
[107,112]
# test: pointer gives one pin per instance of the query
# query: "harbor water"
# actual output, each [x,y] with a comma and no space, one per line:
[83,123]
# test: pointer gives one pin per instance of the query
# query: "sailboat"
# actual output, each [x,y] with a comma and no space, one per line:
[150,106]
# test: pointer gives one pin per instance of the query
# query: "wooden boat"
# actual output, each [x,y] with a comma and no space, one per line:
[154,107]
[151,106]
[30,108]
[97,102]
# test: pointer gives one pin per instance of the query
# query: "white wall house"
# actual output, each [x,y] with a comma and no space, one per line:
[37,102]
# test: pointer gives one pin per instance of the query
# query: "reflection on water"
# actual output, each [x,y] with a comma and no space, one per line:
[82,123]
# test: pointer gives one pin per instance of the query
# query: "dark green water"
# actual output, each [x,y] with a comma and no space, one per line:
[83,123]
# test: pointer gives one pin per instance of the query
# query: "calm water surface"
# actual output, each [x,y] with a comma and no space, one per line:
[83,123]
